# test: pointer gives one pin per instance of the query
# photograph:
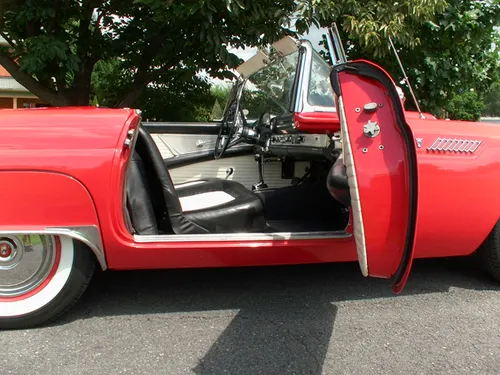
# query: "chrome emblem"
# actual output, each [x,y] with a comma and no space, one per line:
[419,142]
[455,145]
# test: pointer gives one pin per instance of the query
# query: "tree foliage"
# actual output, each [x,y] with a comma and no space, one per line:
[467,106]
[492,101]
[455,53]
[56,45]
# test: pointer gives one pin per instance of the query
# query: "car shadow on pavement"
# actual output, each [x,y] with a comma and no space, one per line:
[285,315]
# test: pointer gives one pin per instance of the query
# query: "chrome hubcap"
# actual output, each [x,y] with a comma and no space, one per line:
[25,262]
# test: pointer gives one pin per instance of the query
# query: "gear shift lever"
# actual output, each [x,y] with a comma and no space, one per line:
[260,163]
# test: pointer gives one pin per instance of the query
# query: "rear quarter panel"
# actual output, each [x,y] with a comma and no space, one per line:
[36,199]
[459,192]
[64,168]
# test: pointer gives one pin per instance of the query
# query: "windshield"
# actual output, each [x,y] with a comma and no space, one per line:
[320,91]
[270,88]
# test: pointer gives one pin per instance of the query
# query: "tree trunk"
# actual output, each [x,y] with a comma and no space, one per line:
[79,93]
[141,80]
[44,93]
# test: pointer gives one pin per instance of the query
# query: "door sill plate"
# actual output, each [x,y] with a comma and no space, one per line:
[279,236]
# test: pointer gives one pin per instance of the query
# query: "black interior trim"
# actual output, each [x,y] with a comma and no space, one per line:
[182,127]
[367,70]
[243,213]
[205,155]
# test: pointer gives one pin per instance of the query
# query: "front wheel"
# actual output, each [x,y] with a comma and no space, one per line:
[41,277]
[489,253]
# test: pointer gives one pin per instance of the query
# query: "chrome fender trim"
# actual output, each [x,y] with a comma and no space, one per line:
[89,235]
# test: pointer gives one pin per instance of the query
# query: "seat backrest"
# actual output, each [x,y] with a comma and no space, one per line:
[163,195]
[336,182]
[140,208]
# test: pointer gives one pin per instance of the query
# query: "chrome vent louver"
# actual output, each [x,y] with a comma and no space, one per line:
[455,145]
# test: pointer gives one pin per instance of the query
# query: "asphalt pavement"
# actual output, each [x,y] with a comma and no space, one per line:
[319,319]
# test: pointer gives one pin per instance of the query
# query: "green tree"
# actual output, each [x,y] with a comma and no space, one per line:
[454,54]
[492,101]
[466,106]
[55,45]
[177,98]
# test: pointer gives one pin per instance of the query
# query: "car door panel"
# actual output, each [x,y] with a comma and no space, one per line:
[381,169]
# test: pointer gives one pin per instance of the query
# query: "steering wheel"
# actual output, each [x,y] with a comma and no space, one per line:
[230,129]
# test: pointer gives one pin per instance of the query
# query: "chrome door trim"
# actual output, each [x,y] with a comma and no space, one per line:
[228,237]
[89,235]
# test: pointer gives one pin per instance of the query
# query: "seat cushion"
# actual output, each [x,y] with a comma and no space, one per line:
[217,206]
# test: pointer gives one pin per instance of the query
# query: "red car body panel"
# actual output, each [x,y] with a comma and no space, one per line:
[40,199]
[458,192]
[382,168]
[317,122]
[84,148]
[328,122]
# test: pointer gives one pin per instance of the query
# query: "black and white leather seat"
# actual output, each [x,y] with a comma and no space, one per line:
[156,206]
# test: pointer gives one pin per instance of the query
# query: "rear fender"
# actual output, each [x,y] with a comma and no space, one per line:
[49,203]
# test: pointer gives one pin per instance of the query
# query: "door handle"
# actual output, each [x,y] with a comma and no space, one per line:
[229,173]
[199,143]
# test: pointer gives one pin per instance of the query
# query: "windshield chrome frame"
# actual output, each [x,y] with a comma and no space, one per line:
[304,80]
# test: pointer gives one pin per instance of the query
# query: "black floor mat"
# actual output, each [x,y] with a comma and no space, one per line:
[303,208]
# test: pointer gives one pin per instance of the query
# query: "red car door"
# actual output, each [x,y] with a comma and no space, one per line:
[380,160]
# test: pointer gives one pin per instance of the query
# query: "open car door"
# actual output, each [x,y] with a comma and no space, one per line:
[380,160]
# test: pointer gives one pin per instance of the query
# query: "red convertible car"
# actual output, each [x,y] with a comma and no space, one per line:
[326,166]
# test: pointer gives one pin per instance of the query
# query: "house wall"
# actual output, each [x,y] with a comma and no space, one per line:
[10,102]
[6,103]
[28,102]
[17,98]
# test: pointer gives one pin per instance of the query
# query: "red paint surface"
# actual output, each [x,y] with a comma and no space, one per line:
[382,174]
[328,122]
[44,199]
[458,202]
[317,122]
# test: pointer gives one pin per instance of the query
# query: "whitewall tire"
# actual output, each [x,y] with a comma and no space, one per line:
[41,277]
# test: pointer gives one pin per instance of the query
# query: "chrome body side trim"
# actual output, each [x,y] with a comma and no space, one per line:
[228,237]
[89,235]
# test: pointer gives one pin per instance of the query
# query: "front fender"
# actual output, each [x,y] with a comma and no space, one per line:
[48,202]
[459,182]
